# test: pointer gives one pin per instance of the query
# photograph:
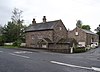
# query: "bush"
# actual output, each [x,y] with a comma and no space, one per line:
[79,50]
[1,41]
[60,50]
[17,43]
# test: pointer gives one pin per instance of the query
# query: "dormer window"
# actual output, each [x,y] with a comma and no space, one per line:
[76,33]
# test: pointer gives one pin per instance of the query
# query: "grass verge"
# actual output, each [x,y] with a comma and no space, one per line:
[9,46]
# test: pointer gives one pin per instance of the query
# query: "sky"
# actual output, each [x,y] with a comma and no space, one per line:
[69,11]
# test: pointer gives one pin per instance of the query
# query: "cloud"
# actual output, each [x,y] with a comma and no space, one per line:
[67,10]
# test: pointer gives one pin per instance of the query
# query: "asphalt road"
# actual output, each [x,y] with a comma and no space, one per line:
[12,60]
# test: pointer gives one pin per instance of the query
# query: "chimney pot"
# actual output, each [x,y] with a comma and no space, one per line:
[33,22]
[44,19]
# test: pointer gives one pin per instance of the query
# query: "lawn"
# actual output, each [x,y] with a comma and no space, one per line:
[9,46]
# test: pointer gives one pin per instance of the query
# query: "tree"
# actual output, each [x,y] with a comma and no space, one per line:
[79,24]
[98,31]
[1,41]
[0,30]
[16,17]
[9,32]
[14,30]
[98,28]
[1,37]
[87,27]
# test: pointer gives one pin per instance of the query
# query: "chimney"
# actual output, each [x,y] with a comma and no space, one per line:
[33,22]
[44,19]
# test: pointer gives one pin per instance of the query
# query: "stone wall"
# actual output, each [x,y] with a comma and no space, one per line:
[65,48]
[92,38]
[60,31]
[96,38]
[81,37]
[89,38]
[33,37]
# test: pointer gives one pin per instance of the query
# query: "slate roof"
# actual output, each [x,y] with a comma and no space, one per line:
[89,32]
[47,39]
[42,26]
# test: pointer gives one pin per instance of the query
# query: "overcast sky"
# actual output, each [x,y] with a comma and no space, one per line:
[69,11]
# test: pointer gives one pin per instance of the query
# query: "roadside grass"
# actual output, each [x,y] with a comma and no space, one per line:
[9,46]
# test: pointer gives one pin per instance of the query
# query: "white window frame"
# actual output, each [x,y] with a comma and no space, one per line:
[76,33]
[60,28]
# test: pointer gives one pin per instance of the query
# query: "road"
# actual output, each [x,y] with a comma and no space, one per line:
[12,60]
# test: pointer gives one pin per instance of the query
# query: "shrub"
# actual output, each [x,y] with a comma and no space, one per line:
[17,43]
[79,50]
[1,41]
[60,50]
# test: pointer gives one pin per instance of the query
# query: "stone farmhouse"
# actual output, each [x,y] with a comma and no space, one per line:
[54,35]
[50,35]
[83,37]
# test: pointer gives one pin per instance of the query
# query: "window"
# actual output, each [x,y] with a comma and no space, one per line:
[32,38]
[76,33]
[60,28]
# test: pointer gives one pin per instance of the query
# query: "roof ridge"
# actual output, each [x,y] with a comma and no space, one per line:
[48,21]
[43,26]
[88,31]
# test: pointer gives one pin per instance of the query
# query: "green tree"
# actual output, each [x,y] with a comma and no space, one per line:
[14,30]
[1,40]
[17,16]
[18,21]
[1,36]
[79,24]
[98,31]
[0,30]
[9,32]
[87,27]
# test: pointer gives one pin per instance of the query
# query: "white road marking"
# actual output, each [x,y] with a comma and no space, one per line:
[75,66]
[1,51]
[96,69]
[19,55]
[19,52]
